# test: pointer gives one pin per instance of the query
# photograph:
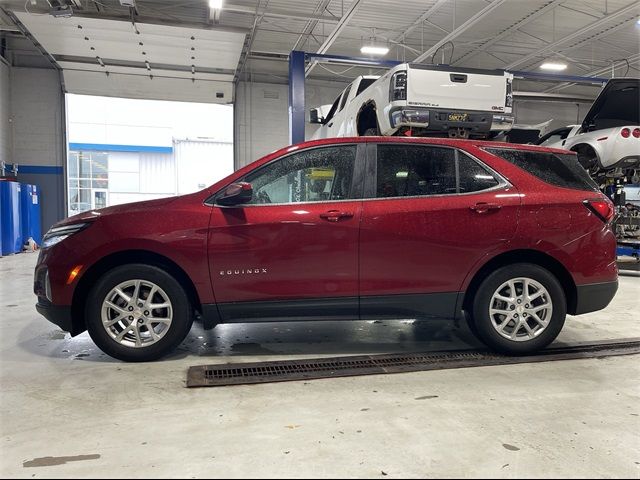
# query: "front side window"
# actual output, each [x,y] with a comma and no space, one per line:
[416,170]
[314,175]
[332,111]
[344,97]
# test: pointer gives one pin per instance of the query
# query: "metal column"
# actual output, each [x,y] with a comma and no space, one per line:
[296,97]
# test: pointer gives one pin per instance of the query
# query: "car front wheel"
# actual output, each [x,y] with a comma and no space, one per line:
[519,309]
[138,313]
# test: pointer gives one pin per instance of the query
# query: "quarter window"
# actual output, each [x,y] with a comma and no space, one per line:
[415,170]
[473,176]
[562,170]
[315,175]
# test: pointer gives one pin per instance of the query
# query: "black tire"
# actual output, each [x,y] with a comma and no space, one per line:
[180,324]
[480,319]
[371,132]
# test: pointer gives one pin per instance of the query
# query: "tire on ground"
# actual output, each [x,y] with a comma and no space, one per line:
[180,325]
[481,321]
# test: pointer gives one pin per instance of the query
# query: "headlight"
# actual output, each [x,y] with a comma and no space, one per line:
[58,234]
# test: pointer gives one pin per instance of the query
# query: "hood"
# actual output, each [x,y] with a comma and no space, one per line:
[91,215]
[617,105]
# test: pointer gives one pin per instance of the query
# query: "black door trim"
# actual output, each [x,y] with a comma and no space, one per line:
[421,306]
[338,308]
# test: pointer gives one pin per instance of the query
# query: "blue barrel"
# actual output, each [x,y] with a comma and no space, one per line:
[11,224]
[30,211]
[1,215]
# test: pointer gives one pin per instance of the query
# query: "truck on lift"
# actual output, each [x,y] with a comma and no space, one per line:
[421,100]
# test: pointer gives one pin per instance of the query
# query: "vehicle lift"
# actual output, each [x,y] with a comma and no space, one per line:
[298,61]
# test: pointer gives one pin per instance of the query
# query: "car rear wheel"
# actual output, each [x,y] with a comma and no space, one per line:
[138,313]
[519,309]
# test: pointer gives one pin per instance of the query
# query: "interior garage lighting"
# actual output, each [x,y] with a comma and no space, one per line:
[557,67]
[372,50]
[215,4]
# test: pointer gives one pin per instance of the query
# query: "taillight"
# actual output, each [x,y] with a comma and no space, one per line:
[636,132]
[625,132]
[601,208]
[398,86]
[508,102]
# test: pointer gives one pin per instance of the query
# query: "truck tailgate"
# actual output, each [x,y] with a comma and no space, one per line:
[456,90]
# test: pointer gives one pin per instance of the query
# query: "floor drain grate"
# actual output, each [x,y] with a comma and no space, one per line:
[289,370]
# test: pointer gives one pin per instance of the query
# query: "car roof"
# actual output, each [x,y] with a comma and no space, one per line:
[451,142]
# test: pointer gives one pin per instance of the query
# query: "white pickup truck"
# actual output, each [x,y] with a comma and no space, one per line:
[421,100]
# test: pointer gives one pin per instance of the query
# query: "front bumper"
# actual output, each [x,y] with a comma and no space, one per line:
[56,314]
[594,296]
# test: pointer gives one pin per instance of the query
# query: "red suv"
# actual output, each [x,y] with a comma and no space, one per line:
[514,237]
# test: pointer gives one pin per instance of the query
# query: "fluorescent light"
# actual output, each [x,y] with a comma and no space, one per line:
[215,4]
[371,50]
[553,66]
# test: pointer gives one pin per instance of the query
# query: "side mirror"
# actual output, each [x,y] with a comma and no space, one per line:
[235,194]
[315,117]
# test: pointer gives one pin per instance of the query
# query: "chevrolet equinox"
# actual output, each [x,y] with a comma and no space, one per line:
[512,237]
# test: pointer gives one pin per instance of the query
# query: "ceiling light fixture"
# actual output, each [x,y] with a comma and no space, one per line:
[373,50]
[555,66]
[217,4]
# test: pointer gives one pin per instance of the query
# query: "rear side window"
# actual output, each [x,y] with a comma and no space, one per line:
[416,170]
[562,170]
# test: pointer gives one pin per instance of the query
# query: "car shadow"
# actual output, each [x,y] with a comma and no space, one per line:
[317,338]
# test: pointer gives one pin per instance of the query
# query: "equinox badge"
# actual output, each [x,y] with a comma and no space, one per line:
[244,271]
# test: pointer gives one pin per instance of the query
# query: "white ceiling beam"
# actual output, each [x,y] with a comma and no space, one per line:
[344,21]
[461,29]
[594,73]
[628,10]
[311,25]
[512,29]
[421,19]
[280,13]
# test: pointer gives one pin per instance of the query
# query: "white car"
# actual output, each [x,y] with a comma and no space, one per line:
[609,136]
[421,100]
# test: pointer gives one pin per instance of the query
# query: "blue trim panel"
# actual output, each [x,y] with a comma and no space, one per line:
[39,170]
[119,148]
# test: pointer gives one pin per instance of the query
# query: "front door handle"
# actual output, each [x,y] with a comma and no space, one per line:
[484,207]
[335,215]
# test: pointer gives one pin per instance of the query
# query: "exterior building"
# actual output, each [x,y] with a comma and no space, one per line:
[138,150]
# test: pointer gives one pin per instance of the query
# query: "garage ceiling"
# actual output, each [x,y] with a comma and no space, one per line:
[252,38]
[140,60]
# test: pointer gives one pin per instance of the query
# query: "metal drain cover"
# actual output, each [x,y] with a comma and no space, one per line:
[330,367]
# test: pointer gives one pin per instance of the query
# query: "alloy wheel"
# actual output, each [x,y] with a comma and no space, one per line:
[137,313]
[520,309]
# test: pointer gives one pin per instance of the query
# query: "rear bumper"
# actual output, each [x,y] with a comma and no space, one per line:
[56,314]
[439,120]
[593,297]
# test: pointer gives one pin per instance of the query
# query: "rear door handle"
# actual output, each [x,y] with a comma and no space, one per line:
[335,215]
[484,207]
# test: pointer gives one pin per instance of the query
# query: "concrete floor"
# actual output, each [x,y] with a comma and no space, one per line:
[67,410]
